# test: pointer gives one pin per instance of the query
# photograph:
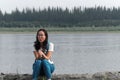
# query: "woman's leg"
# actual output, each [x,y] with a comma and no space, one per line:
[36,69]
[48,68]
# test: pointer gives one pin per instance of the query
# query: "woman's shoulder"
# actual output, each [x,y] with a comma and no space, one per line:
[51,46]
[50,43]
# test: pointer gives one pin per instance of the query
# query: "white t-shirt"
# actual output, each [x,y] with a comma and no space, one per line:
[51,47]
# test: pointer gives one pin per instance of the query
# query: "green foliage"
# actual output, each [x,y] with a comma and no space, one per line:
[82,17]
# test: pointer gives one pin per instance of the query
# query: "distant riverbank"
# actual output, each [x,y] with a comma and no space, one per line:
[59,29]
[96,76]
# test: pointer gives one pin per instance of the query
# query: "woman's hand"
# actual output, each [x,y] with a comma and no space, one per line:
[40,53]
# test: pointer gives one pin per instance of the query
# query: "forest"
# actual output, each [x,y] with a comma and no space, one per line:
[58,17]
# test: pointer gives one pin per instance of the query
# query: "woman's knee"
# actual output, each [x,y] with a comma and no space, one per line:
[45,63]
[37,62]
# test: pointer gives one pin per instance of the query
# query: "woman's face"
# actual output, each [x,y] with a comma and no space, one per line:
[41,36]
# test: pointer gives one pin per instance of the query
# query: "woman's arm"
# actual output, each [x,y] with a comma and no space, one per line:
[37,54]
[48,56]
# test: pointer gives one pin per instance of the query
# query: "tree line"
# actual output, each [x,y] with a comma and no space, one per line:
[78,16]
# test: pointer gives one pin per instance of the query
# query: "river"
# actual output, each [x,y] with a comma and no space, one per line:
[75,53]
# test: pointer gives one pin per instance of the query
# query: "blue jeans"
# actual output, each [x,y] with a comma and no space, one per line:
[42,68]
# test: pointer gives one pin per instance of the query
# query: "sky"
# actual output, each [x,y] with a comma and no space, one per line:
[10,5]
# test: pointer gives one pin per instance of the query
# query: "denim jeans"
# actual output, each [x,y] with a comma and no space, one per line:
[42,68]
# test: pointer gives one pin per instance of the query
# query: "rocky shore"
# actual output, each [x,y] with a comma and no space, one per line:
[96,76]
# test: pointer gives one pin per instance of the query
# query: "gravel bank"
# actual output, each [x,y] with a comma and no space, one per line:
[96,76]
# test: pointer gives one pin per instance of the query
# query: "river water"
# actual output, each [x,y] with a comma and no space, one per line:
[75,53]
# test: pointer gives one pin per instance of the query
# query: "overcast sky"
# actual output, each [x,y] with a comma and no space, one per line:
[9,5]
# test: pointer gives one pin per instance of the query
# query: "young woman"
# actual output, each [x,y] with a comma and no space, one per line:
[43,52]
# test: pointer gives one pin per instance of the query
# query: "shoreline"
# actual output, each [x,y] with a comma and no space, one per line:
[59,29]
[95,76]
[56,32]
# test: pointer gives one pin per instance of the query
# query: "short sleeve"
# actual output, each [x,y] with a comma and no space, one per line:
[51,47]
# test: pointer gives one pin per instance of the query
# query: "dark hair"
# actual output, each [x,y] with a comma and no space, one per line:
[37,45]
